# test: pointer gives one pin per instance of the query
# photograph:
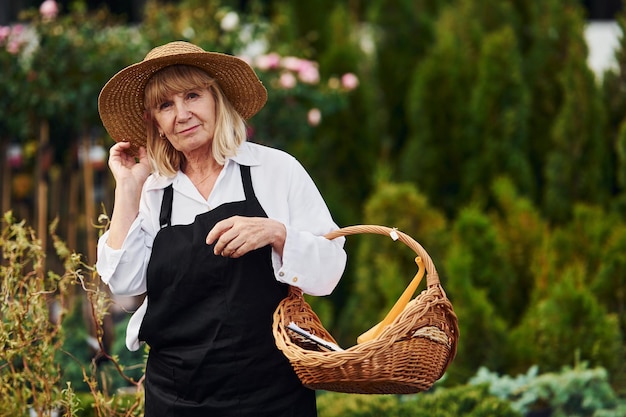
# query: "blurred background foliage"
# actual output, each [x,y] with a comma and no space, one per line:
[476,127]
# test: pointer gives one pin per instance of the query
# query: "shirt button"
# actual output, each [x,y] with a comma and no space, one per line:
[295,279]
[281,274]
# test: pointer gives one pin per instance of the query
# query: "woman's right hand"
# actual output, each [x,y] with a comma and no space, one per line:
[130,174]
[125,168]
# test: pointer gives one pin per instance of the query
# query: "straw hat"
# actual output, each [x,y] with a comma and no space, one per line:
[120,103]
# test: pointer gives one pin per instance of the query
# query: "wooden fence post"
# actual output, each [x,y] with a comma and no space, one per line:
[90,210]
[6,176]
[43,164]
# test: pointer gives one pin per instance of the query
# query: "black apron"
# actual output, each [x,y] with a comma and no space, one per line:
[209,325]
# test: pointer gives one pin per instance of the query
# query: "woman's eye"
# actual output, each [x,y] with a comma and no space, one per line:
[192,94]
[164,105]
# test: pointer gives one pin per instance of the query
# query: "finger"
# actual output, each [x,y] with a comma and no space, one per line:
[122,145]
[119,149]
[227,242]
[218,230]
[239,252]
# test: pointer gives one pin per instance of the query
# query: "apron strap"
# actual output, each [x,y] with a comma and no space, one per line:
[165,218]
[246,178]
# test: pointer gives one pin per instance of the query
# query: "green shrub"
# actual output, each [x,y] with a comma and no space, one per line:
[331,404]
[29,334]
[45,363]
[573,392]
[466,401]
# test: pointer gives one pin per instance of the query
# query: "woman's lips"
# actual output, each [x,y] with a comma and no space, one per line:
[189,130]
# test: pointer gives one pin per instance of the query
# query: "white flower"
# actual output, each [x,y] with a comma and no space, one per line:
[254,48]
[189,32]
[230,21]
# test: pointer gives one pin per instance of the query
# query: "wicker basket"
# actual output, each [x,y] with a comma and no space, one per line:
[407,357]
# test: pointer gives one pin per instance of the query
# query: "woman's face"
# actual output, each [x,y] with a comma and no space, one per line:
[187,119]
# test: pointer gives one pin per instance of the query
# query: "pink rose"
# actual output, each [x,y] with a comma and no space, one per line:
[5,31]
[291,63]
[17,30]
[308,73]
[314,117]
[287,80]
[267,62]
[13,47]
[49,9]
[349,81]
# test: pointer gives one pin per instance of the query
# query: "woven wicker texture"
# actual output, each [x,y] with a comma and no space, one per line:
[407,357]
[120,102]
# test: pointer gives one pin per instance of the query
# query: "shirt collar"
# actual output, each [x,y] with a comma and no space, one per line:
[244,156]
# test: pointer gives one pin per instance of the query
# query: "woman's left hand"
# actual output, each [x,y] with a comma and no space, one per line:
[237,235]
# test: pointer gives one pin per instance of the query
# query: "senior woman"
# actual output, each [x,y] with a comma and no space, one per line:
[213,229]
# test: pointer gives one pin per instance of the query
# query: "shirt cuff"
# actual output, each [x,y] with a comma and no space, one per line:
[108,258]
[311,263]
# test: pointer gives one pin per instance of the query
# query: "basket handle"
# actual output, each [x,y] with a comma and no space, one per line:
[423,261]
[432,278]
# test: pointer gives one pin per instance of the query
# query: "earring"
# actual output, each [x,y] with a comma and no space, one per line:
[162,135]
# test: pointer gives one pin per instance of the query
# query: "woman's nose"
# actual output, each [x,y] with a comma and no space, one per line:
[182,112]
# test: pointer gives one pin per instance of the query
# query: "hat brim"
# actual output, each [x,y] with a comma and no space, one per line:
[121,106]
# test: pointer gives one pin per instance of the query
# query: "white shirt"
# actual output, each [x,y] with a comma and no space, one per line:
[285,191]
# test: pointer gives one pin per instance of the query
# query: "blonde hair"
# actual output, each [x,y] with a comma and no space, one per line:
[230,127]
